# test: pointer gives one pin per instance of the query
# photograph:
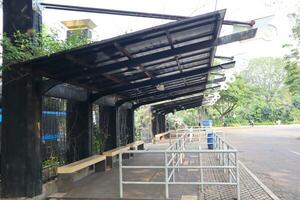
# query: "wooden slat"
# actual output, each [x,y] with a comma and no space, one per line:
[135,144]
[116,151]
[158,136]
[188,197]
[81,164]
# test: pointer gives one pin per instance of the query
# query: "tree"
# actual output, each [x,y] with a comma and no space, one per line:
[26,46]
[237,94]
[292,61]
[267,74]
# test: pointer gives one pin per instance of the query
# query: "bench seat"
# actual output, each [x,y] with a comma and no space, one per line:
[81,164]
[160,136]
[110,154]
[69,174]
[136,145]
[116,151]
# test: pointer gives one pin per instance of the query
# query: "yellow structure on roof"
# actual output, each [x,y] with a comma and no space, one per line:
[79,24]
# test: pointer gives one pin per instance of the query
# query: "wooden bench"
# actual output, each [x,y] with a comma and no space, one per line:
[137,145]
[110,154]
[69,174]
[161,136]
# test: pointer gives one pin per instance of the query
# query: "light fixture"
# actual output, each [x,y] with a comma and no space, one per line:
[160,87]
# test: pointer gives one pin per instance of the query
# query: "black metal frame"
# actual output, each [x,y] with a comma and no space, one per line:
[179,106]
[178,55]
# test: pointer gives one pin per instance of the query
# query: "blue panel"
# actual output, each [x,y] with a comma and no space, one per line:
[52,136]
[57,113]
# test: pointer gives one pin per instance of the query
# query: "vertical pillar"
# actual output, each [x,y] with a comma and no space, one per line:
[79,134]
[160,122]
[130,125]
[107,124]
[163,123]
[20,143]
[154,123]
[21,157]
[124,125]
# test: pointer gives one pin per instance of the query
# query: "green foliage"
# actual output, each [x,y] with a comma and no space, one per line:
[183,118]
[25,46]
[98,140]
[142,120]
[237,95]
[267,74]
[51,161]
[292,61]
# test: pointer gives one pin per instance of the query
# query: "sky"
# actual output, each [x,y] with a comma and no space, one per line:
[274,31]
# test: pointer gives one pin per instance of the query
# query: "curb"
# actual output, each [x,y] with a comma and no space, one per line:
[263,186]
[257,126]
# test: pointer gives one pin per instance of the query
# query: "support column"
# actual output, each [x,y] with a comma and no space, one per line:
[160,123]
[125,124]
[154,123]
[107,124]
[21,130]
[163,123]
[79,134]
[21,165]
[130,125]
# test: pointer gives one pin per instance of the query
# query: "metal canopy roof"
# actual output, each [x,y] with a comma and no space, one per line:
[176,56]
[133,64]
[187,103]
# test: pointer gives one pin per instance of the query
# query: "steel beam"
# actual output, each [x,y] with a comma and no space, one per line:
[168,53]
[135,62]
[196,85]
[200,71]
[133,14]
[174,96]
[181,102]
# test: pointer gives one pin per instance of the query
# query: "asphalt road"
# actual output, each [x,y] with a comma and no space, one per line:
[273,154]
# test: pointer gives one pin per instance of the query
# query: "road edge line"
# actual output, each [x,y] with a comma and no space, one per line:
[263,186]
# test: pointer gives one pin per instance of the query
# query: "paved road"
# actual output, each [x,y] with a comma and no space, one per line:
[273,154]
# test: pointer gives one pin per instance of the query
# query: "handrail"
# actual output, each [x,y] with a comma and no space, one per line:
[173,157]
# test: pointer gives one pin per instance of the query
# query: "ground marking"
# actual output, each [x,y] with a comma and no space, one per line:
[295,152]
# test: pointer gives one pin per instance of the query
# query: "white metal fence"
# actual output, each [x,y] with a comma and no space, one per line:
[174,156]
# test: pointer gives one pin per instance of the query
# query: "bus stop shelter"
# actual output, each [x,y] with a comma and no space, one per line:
[118,74]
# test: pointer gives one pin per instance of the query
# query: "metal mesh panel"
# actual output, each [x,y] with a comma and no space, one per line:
[53,135]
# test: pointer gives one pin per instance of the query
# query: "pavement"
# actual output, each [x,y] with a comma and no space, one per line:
[105,185]
[273,154]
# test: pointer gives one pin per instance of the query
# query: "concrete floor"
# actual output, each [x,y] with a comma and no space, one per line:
[273,154]
[105,185]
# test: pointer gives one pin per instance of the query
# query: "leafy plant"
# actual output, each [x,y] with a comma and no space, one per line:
[98,140]
[25,46]
[51,161]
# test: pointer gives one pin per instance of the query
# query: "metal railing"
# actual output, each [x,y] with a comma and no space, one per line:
[173,161]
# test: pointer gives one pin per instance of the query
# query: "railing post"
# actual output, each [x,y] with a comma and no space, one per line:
[220,148]
[166,176]
[201,170]
[223,154]
[228,161]
[237,177]
[121,175]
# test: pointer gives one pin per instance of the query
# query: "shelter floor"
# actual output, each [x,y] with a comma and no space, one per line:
[105,185]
